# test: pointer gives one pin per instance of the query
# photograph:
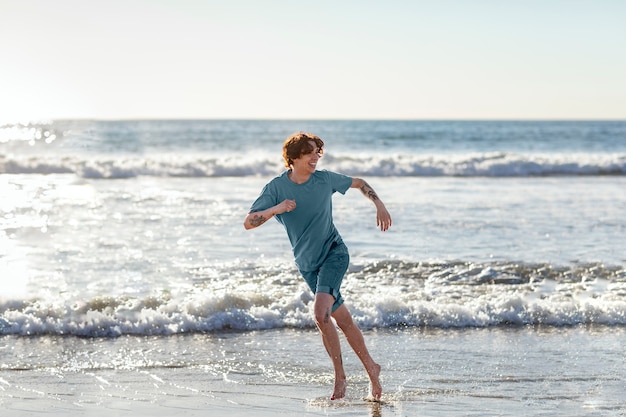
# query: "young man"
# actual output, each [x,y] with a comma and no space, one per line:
[301,200]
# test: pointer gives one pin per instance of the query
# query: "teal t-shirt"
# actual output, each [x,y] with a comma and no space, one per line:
[310,226]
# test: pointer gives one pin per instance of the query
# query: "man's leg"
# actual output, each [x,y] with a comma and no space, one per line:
[322,308]
[355,338]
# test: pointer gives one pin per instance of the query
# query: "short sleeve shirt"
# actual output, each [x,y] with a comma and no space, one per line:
[310,226]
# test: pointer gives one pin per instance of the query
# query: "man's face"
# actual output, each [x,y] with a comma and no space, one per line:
[308,162]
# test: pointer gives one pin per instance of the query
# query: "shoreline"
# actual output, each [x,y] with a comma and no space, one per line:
[512,371]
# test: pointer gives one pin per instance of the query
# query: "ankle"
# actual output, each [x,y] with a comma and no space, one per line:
[340,376]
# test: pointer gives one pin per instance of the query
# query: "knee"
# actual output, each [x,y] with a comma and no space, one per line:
[345,327]
[322,316]
[344,320]
[322,309]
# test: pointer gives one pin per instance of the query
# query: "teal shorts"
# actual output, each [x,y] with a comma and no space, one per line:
[327,279]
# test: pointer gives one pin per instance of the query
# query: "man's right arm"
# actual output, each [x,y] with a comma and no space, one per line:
[257,218]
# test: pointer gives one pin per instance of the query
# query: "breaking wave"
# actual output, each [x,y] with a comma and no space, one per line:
[407,165]
[383,294]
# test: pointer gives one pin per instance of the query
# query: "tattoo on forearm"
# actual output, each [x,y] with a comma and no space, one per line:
[257,220]
[369,192]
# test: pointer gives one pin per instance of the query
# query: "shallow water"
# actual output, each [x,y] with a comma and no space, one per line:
[164,256]
[129,286]
[573,371]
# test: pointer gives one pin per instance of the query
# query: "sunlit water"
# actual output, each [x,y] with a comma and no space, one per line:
[130,235]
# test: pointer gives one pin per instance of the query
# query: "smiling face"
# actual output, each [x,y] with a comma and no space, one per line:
[300,144]
[307,162]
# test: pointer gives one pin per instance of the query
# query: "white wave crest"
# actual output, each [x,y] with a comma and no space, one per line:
[381,295]
[476,165]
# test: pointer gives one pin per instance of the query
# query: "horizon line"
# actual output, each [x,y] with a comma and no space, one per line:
[354,119]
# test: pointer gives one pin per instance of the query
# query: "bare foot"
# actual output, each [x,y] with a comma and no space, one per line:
[374,374]
[340,389]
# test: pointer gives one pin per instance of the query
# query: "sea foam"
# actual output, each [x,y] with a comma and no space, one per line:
[381,295]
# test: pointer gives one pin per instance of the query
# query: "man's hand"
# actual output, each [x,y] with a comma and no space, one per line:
[257,218]
[383,218]
[285,206]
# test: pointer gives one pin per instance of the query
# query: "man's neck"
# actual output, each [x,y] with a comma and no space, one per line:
[299,177]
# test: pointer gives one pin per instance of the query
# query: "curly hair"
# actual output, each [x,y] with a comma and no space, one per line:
[298,144]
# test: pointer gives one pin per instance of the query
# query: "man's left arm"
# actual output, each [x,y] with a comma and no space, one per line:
[383,218]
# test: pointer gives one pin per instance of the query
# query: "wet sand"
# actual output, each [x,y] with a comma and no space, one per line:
[505,371]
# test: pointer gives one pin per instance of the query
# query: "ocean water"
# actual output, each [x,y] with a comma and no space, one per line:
[118,231]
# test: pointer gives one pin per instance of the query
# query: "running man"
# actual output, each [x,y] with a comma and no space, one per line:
[301,200]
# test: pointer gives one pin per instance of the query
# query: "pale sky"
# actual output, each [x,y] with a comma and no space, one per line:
[355,59]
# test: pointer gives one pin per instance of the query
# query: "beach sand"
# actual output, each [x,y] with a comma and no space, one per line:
[504,371]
